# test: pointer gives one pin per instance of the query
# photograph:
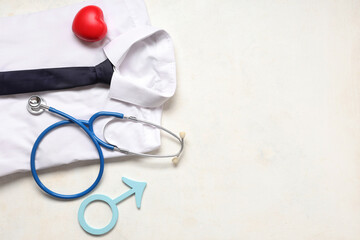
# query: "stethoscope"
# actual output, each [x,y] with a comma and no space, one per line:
[37,105]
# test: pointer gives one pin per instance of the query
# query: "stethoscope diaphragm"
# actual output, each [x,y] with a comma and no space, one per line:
[35,104]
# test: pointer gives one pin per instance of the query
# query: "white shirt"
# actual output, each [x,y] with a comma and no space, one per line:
[144,79]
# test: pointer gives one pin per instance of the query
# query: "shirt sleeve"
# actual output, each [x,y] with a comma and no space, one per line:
[144,66]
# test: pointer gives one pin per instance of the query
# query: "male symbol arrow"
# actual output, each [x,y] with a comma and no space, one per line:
[137,188]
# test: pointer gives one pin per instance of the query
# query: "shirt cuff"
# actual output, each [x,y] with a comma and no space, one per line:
[144,67]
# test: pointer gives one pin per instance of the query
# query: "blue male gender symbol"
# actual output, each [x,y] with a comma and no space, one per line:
[137,188]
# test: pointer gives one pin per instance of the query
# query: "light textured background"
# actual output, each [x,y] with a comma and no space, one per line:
[268,93]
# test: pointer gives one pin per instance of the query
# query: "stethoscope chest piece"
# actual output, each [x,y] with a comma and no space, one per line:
[36,105]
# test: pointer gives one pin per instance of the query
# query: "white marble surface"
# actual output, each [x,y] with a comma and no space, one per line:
[268,93]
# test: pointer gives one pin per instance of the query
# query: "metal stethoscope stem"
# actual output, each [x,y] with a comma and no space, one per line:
[175,156]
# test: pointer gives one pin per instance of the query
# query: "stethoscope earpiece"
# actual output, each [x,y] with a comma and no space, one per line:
[176,159]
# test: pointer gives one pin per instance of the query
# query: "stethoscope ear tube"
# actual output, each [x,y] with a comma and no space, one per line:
[175,156]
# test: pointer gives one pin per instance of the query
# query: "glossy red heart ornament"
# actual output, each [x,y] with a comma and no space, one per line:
[89,24]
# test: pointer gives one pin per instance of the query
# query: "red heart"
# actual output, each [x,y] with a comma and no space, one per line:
[89,24]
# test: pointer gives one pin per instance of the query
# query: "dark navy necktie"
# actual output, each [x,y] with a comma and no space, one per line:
[35,80]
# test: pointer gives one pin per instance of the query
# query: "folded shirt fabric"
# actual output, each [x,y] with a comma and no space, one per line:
[41,55]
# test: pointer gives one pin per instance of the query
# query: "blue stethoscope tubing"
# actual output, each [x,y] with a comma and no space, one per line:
[87,126]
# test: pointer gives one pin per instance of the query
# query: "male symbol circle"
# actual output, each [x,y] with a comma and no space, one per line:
[108,201]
